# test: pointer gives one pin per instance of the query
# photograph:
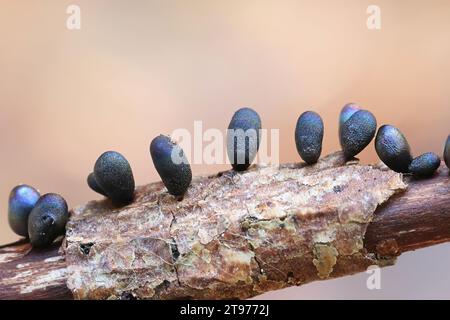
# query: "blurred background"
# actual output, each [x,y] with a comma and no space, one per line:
[140,68]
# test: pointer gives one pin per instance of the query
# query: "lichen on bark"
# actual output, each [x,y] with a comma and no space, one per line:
[234,235]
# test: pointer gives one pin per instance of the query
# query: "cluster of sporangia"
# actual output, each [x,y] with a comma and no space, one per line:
[43,218]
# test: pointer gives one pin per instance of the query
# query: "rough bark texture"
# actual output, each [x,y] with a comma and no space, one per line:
[414,219]
[236,235]
[32,274]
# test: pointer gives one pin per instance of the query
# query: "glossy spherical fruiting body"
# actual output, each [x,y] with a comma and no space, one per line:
[113,178]
[243,138]
[425,165]
[171,164]
[393,148]
[347,111]
[357,132]
[47,220]
[22,200]
[447,152]
[309,136]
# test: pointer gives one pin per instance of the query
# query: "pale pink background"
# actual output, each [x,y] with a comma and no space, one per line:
[140,68]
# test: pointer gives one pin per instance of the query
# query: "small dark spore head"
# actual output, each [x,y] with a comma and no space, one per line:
[92,183]
[447,152]
[47,220]
[393,148]
[357,132]
[347,111]
[22,200]
[243,138]
[171,164]
[425,165]
[309,136]
[114,177]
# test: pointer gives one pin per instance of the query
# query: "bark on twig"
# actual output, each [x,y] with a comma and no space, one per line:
[32,274]
[236,235]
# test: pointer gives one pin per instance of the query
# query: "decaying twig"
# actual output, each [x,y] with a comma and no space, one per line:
[269,228]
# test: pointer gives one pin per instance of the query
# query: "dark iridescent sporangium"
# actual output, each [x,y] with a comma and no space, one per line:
[171,164]
[47,220]
[447,152]
[425,165]
[93,184]
[393,148]
[357,132]
[243,138]
[113,176]
[347,111]
[309,136]
[22,200]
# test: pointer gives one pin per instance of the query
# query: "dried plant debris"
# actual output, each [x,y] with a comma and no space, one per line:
[235,235]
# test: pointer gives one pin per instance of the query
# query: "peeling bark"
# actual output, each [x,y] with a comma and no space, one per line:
[237,235]
[37,274]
